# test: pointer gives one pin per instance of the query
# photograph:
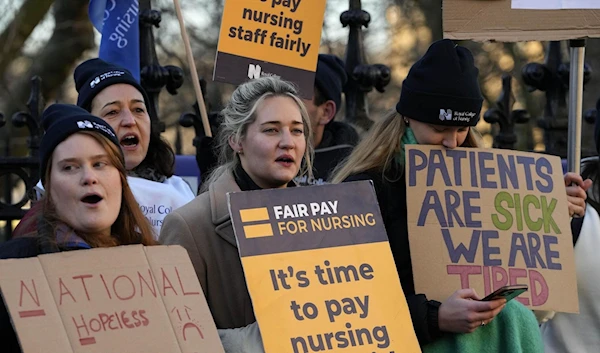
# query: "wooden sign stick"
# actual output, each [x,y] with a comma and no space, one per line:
[195,79]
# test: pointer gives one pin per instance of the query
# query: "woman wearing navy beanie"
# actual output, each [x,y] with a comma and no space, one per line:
[87,203]
[112,93]
[440,104]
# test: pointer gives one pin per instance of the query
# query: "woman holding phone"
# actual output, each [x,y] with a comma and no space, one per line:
[445,78]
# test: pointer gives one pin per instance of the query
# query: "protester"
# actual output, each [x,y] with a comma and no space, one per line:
[333,140]
[571,333]
[444,79]
[87,203]
[264,143]
[112,93]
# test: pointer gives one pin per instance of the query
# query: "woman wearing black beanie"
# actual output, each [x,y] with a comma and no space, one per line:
[113,94]
[87,203]
[440,103]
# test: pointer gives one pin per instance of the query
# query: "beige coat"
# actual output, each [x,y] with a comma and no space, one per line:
[204,228]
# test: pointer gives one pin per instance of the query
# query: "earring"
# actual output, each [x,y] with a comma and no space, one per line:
[240,152]
[406,122]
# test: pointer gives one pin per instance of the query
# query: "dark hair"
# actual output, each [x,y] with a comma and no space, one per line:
[160,155]
[590,170]
[130,227]
[318,97]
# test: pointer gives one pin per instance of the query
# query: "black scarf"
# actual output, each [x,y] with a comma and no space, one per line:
[245,182]
[148,173]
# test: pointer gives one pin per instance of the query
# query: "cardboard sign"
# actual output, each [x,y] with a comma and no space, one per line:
[555,4]
[270,37]
[320,271]
[121,299]
[486,218]
[483,20]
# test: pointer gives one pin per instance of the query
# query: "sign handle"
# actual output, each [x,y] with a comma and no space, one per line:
[577,51]
[195,79]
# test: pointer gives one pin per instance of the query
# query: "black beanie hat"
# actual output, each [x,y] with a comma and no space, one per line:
[442,87]
[63,120]
[330,78]
[94,75]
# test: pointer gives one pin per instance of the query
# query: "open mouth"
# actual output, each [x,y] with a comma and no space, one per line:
[285,159]
[129,141]
[91,199]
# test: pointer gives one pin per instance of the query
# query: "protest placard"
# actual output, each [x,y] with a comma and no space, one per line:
[121,299]
[320,271]
[484,20]
[270,37]
[485,218]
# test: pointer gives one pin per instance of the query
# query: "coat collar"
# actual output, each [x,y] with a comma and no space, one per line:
[220,209]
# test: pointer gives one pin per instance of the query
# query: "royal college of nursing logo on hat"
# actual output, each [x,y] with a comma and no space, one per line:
[95,82]
[85,124]
[114,73]
[448,114]
[445,114]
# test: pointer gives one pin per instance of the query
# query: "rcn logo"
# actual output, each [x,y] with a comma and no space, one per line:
[445,114]
[95,82]
[254,71]
[85,124]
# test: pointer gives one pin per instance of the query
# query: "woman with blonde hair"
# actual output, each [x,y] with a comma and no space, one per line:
[440,104]
[87,203]
[264,142]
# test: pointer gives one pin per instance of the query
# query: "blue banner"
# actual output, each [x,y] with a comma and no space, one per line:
[118,22]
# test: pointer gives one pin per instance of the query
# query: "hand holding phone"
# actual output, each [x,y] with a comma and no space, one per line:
[507,292]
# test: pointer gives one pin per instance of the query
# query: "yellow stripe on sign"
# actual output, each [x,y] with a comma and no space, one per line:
[258,230]
[254,214]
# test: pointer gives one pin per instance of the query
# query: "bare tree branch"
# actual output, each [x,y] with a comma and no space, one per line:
[72,36]
[17,32]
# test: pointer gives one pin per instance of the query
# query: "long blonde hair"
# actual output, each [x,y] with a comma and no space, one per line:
[240,112]
[377,150]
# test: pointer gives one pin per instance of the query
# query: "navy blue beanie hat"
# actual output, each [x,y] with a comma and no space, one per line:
[330,78]
[442,87]
[63,120]
[94,75]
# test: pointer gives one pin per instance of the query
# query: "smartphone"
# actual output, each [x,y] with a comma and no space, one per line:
[507,292]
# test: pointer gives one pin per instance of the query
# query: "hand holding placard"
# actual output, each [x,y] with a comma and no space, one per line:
[497,217]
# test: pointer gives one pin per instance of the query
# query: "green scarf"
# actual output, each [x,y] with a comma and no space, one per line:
[514,330]
[408,138]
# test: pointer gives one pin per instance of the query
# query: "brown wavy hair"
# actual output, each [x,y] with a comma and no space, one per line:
[130,227]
